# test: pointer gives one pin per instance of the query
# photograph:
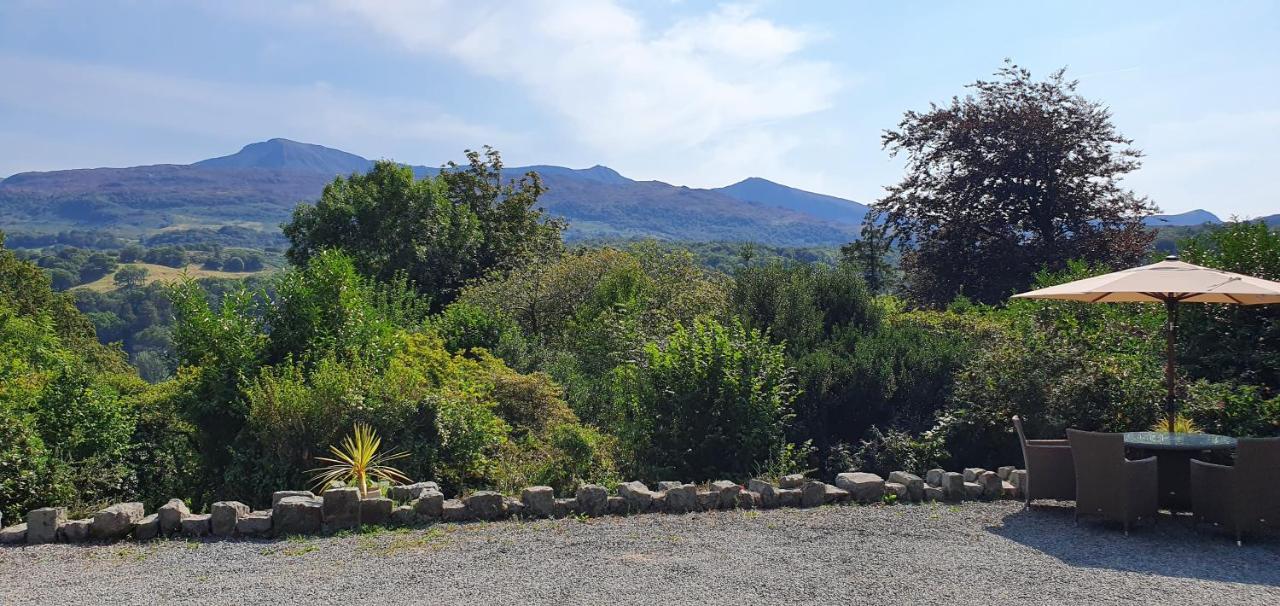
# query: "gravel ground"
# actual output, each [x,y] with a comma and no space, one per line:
[927,554]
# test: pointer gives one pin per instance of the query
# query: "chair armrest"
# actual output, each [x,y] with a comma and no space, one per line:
[1211,468]
[1048,443]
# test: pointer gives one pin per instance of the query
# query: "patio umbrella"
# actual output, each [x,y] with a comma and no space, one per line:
[1170,282]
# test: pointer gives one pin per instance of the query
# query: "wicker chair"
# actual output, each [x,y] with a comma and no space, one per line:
[1244,497]
[1107,484]
[1051,474]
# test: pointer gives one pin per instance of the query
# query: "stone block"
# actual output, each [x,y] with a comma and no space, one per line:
[899,491]
[485,505]
[564,508]
[864,487]
[341,508]
[14,534]
[147,528]
[789,497]
[75,531]
[933,477]
[593,499]
[254,524]
[682,499]
[514,507]
[991,485]
[835,494]
[116,521]
[454,510]
[281,494]
[376,511]
[659,503]
[196,525]
[297,515]
[539,501]
[794,480]
[668,485]
[43,524]
[748,499]
[971,473]
[953,486]
[813,493]
[410,492]
[1008,491]
[708,500]
[767,491]
[934,493]
[728,492]
[430,505]
[171,515]
[225,514]
[404,516]
[913,482]
[1004,472]
[638,496]
[617,506]
[1019,480]
[972,490]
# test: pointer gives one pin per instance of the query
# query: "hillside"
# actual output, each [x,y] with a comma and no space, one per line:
[259,186]
[167,275]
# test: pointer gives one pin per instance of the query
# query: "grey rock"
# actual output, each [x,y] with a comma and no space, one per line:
[171,515]
[1008,490]
[297,515]
[75,531]
[376,511]
[1019,480]
[564,508]
[991,485]
[281,494]
[515,508]
[659,503]
[617,506]
[454,510]
[1005,471]
[708,500]
[196,525]
[972,490]
[971,473]
[43,524]
[813,493]
[767,491]
[225,515]
[116,521]
[835,495]
[933,477]
[539,501]
[430,505]
[410,492]
[638,496]
[915,485]
[934,493]
[748,499]
[682,499]
[668,485]
[254,524]
[863,487]
[485,505]
[898,490]
[789,497]
[341,508]
[728,492]
[593,499]
[953,486]
[404,516]
[147,528]
[14,534]
[794,480]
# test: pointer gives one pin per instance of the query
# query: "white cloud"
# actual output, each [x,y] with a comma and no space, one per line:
[624,88]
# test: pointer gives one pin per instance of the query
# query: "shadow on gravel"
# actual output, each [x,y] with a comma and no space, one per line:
[1169,548]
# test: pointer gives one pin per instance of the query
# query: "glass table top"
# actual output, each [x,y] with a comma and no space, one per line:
[1178,441]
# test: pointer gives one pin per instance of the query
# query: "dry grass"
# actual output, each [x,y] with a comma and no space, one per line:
[165,274]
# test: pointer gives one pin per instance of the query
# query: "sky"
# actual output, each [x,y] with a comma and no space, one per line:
[702,94]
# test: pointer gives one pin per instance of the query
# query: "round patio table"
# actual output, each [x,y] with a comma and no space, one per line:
[1173,452]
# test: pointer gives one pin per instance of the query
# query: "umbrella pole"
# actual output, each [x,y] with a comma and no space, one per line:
[1170,376]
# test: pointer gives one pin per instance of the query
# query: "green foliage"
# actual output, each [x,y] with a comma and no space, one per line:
[130,276]
[439,232]
[713,401]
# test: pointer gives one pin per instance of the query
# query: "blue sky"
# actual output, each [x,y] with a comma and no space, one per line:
[692,93]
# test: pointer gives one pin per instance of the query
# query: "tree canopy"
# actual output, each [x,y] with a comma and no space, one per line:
[1018,176]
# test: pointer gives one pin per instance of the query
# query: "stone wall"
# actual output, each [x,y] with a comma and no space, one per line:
[301,512]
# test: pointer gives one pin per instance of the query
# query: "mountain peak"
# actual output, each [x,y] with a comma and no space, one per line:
[1195,217]
[289,155]
[763,191]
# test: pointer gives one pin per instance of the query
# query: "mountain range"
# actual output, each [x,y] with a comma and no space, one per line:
[259,186]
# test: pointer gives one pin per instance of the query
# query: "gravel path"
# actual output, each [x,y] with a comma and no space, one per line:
[927,554]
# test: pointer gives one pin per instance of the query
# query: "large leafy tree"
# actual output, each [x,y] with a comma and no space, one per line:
[439,232]
[1019,175]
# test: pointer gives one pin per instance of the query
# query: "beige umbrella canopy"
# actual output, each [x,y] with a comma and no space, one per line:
[1170,282]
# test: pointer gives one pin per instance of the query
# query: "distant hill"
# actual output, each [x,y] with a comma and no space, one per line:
[1198,216]
[764,191]
[259,186]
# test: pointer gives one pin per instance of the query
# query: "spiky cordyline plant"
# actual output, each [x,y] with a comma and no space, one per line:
[358,460]
[1181,424]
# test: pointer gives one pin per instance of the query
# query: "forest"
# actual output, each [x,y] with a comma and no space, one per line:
[448,313]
